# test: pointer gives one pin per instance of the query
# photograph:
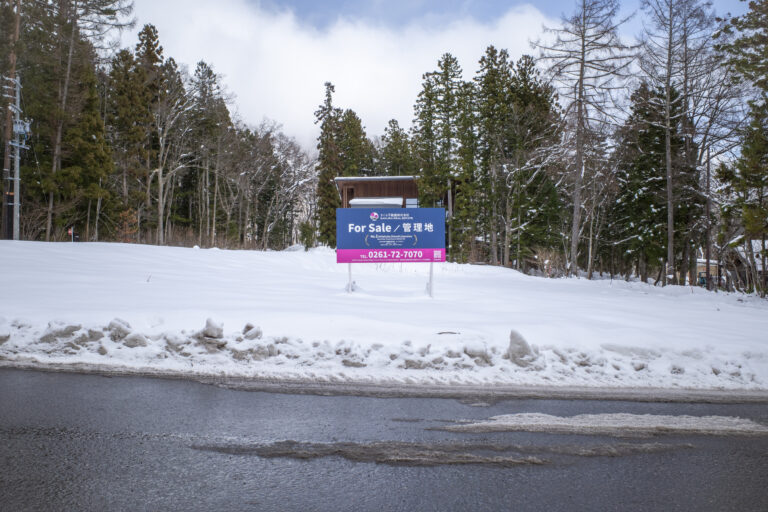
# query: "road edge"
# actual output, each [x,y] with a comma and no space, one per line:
[486,392]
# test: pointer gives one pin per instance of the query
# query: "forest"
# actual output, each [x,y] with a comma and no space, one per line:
[592,155]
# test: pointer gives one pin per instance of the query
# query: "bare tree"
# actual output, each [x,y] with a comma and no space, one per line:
[585,59]
[174,126]
[701,101]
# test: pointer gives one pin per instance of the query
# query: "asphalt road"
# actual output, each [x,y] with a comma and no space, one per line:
[87,442]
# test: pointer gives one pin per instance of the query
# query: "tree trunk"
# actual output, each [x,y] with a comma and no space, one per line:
[450,221]
[763,274]
[160,206]
[494,239]
[573,263]
[215,202]
[518,256]
[246,222]
[589,249]
[507,222]
[88,222]
[98,214]
[684,264]
[207,202]
[64,92]
[692,267]
[670,271]
[752,267]
[169,188]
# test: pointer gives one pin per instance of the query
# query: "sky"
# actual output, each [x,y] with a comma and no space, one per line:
[274,56]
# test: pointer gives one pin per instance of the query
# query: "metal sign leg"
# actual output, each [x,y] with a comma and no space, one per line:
[349,284]
[429,286]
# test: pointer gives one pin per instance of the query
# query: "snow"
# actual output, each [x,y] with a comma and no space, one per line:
[286,315]
[363,202]
[611,424]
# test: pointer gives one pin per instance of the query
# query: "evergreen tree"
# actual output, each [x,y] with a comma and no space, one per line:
[517,130]
[396,154]
[640,209]
[464,226]
[148,57]
[88,160]
[329,166]
[749,182]
[424,139]
[128,119]
[355,149]
[72,26]
[436,137]
[640,212]
[58,74]
[532,210]
[749,51]
[435,128]
[494,81]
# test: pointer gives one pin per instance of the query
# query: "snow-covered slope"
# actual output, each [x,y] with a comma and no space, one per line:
[287,315]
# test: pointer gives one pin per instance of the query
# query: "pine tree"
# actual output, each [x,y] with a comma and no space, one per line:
[750,183]
[88,159]
[71,25]
[424,140]
[532,209]
[396,153]
[435,128]
[128,120]
[494,81]
[640,212]
[436,137]
[355,149]
[329,166]
[749,51]
[148,58]
[464,225]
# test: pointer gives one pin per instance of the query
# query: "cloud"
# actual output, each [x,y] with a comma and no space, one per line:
[276,66]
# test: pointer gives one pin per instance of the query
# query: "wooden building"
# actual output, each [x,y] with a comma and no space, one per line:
[378,192]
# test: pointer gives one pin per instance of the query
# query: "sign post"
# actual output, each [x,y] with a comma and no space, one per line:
[381,235]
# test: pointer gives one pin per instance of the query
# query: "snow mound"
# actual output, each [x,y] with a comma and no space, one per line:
[454,360]
[286,315]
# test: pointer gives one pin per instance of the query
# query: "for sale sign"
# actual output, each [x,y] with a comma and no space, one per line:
[371,235]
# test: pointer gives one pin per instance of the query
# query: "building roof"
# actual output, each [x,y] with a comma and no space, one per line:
[375,200]
[374,178]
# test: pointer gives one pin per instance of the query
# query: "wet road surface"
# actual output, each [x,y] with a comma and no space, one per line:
[87,442]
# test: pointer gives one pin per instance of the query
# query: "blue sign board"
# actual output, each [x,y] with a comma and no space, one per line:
[374,235]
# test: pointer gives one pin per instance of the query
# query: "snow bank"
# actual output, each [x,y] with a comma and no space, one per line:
[287,315]
[612,424]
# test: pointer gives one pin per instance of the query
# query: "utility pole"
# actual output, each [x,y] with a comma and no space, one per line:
[20,129]
[9,191]
[12,197]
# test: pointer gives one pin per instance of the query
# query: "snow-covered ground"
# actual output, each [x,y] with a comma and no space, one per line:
[286,315]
